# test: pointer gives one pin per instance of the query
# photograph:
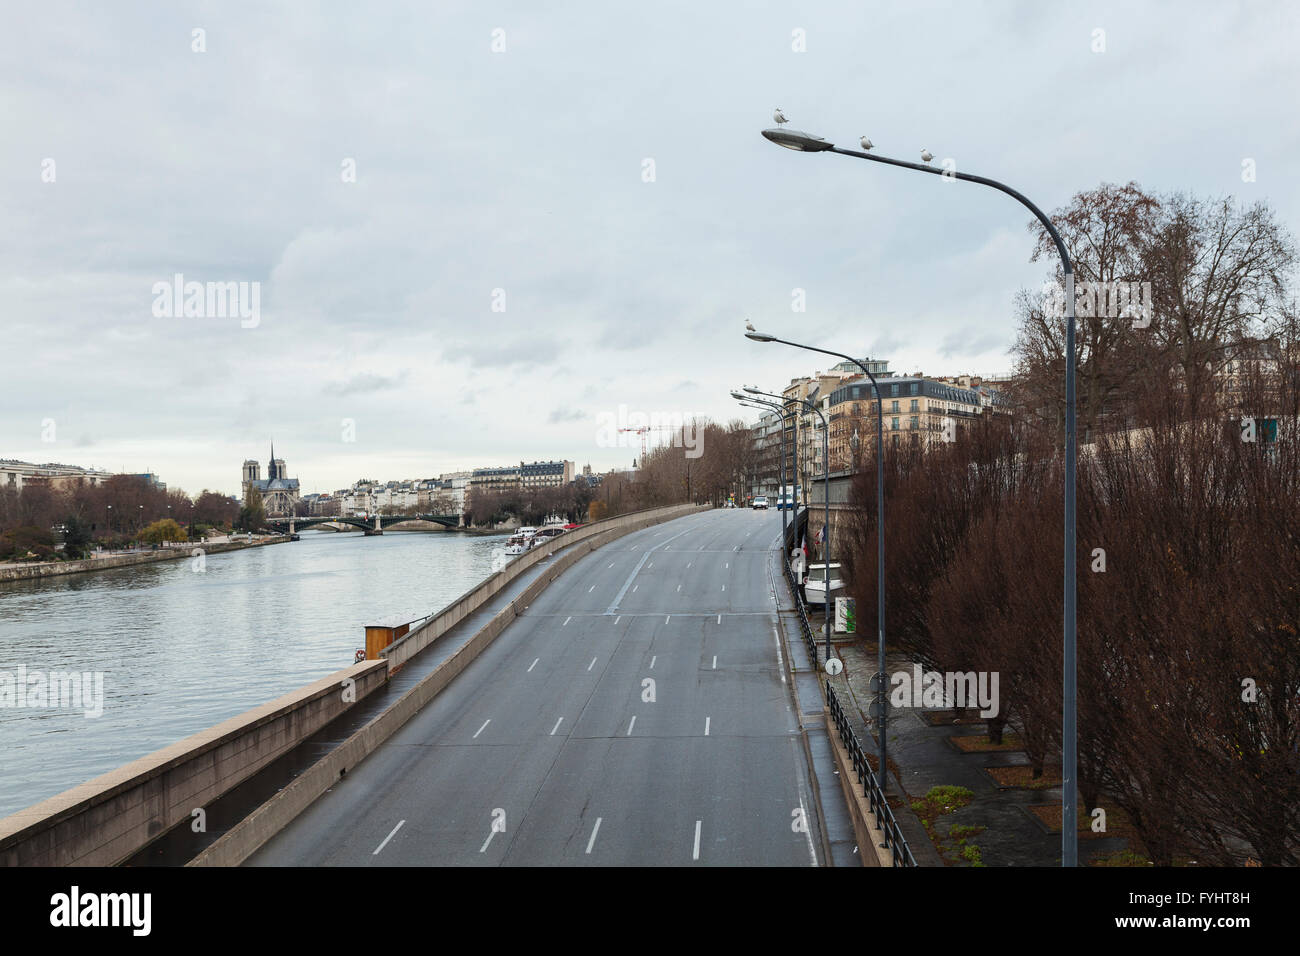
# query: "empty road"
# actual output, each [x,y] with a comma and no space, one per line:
[636,714]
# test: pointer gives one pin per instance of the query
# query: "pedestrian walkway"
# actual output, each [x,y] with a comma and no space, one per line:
[923,756]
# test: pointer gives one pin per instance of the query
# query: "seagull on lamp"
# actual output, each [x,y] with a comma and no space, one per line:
[926,155]
[779,116]
[866,144]
[750,326]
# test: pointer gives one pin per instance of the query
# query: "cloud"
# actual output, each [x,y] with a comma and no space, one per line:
[560,415]
[364,383]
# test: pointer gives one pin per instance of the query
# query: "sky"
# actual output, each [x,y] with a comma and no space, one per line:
[479,232]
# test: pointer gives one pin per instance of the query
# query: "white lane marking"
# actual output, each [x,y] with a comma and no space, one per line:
[668,618]
[652,661]
[611,565]
[780,657]
[533,664]
[594,831]
[688,565]
[590,589]
[719,618]
[637,570]
[387,838]
[634,587]
[481,729]
[619,618]
[679,587]
[557,726]
[491,834]
[715,662]
[724,587]
[592,664]
[726,564]
[566,621]
[807,830]
[695,854]
[650,565]
[630,725]
[707,721]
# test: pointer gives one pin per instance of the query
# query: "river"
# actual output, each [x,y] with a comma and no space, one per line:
[182,649]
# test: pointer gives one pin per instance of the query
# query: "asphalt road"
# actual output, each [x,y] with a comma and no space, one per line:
[636,714]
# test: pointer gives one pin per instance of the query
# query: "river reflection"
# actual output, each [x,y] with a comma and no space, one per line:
[182,650]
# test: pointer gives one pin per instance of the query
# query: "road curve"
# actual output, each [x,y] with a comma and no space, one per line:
[636,714]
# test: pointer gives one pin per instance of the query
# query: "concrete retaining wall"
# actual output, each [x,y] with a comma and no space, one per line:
[106,820]
[247,836]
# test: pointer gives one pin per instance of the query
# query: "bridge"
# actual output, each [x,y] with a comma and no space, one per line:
[290,525]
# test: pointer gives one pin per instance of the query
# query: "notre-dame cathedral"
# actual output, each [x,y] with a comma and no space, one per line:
[279,491]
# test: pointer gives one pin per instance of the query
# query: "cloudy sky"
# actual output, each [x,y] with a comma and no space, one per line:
[577,220]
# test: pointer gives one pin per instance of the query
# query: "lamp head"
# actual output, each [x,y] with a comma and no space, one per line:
[797,140]
[759,336]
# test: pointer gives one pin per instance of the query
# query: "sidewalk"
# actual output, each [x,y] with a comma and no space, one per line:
[924,757]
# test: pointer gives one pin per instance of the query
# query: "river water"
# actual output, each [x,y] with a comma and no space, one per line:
[182,649]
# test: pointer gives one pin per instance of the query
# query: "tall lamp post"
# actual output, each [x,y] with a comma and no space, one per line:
[753,402]
[807,143]
[826,530]
[882,697]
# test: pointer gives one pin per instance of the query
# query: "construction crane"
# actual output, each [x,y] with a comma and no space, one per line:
[643,431]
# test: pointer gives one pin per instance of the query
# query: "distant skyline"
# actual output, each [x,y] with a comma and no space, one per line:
[472,254]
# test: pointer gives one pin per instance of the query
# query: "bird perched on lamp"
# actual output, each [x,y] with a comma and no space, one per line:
[779,116]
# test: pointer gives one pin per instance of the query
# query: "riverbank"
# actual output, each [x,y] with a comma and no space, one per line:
[13,571]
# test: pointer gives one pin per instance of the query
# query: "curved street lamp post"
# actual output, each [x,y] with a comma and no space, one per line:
[807,143]
[752,402]
[826,471]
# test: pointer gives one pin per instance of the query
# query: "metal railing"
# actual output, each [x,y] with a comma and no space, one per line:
[895,842]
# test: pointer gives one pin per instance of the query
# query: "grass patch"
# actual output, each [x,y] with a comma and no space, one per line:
[1022,778]
[980,744]
[946,718]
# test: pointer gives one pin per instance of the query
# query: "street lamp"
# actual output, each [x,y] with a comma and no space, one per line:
[806,142]
[826,471]
[751,402]
[882,697]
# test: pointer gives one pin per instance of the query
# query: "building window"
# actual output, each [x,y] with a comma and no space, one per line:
[893,406]
[915,422]
[915,405]
[895,424]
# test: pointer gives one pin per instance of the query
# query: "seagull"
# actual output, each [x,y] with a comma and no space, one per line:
[750,326]
[926,155]
[779,116]
[866,144]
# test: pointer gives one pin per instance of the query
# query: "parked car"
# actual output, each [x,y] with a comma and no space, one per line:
[760,502]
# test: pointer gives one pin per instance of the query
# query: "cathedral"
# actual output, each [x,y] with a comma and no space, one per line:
[279,492]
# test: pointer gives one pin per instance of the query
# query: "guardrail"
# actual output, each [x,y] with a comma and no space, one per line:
[895,842]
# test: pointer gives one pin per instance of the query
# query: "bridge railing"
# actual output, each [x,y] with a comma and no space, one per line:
[895,842]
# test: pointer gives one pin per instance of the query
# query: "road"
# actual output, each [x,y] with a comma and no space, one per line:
[636,714]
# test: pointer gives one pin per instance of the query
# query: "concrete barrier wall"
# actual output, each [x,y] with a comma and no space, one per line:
[106,820]
[871,839]
[247,836]
[401,651]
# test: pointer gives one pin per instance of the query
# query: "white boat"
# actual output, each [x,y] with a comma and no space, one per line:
[520,541]
[814,585]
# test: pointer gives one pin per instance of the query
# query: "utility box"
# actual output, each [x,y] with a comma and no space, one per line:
[846,615]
